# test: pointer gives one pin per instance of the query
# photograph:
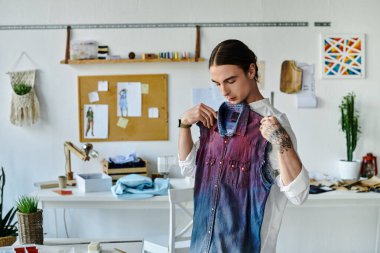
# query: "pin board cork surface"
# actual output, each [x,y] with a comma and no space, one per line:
[142,128]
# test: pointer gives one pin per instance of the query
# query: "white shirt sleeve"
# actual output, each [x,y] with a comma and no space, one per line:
[298,190]
[188,165]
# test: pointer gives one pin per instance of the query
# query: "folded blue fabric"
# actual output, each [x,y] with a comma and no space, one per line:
[135,186]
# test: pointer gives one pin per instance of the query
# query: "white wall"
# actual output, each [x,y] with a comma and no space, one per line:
[36,153]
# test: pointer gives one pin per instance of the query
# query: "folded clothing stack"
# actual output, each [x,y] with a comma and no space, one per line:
[135,186]
[130,161]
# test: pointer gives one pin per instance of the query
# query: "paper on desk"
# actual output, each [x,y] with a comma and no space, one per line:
[153,112]
[93,96]
[306,98]
[210,96]
[372,182]
[103,86]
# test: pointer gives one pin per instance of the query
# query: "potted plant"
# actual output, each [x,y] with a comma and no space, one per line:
[349,169]
[8,228]
[21,88]
[29,220]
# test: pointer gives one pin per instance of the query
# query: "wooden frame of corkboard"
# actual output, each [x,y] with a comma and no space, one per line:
[139,128]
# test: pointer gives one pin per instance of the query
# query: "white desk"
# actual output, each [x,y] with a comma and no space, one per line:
[318,212]
[60,245]
[341,199]
[50,199]
[336,221]
[100,200]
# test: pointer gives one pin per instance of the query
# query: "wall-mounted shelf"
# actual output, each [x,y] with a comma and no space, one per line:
[196,57]
[98,61]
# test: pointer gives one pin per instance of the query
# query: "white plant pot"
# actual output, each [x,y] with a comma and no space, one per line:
[349,170]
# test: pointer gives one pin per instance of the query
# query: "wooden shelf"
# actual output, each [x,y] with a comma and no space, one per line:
[97,61]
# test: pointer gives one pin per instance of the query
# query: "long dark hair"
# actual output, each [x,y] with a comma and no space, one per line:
[233,52]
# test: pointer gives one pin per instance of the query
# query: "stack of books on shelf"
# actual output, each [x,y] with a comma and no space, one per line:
[102,52]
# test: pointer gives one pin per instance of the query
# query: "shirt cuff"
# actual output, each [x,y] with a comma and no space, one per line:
[188,165]
[297,186]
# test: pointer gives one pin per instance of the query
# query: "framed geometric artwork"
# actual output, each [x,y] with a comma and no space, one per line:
[343,56]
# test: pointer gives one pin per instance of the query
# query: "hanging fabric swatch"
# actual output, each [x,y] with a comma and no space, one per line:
[25,108]
[291,77]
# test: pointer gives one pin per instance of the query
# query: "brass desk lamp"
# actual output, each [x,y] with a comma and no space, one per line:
[84,154]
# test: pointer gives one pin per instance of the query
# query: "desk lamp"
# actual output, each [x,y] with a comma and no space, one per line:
[84,154]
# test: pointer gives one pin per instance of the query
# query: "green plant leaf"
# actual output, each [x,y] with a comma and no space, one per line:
[7,226]
[27,204]
[21,88]
[349,123]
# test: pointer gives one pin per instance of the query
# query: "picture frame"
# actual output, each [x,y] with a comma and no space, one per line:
[342,56]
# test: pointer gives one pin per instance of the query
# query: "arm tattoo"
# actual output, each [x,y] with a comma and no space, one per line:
[280,138]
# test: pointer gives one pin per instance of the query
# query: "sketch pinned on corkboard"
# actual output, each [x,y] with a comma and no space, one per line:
[129,99]
[95,121]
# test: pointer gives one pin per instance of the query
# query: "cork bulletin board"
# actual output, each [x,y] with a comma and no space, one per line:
[138,128]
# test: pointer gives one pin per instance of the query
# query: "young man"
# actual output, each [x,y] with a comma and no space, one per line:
[245,163]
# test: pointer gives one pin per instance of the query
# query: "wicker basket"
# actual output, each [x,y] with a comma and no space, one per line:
[30,228]
[7,240]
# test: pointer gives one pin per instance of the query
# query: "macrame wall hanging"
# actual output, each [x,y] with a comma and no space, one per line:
[25,108]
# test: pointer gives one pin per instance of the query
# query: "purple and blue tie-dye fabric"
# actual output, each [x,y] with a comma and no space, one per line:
[231,183]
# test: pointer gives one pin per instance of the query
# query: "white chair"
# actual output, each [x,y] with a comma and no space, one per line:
[178,242]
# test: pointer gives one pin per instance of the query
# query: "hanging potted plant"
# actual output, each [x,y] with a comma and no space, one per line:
[29,220]
[349,169]
[8,228]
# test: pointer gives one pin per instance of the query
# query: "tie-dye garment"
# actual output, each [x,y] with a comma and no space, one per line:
[232,183]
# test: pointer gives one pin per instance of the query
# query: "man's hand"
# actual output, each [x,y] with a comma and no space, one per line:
[200,112]
[273,132]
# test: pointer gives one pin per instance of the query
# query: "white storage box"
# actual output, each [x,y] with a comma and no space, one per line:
[83,49]
[94,182]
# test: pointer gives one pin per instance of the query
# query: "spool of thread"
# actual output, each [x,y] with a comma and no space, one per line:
[131,55]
